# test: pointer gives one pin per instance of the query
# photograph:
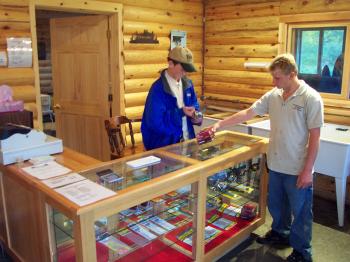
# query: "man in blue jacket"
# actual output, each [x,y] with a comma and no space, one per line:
[171,103]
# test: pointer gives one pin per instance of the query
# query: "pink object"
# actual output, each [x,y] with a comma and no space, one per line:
[206,135]
[5,93]
[6,102]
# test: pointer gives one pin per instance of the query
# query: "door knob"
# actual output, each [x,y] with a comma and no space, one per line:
[57,106]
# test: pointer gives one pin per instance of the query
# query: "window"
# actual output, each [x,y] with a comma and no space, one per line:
[319,51]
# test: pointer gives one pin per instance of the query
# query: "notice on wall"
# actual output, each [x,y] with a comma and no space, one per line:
[19,50]
[178,38]
[3,58]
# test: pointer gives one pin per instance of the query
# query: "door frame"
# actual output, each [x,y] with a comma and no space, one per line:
[116,67]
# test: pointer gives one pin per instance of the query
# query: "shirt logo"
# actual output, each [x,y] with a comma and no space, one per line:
[298,107]
[188,94]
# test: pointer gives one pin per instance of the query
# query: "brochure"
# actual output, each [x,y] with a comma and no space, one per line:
[224,223]
[134,238]
[153,227]
[232,211]
[210,233]
[116,245]
[161,222]
[143,232]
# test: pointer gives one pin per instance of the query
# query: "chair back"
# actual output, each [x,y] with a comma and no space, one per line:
[114,128]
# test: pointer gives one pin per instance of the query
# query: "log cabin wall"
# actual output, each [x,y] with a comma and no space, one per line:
[15,22]
[248,30]
[238,32]
[142,62]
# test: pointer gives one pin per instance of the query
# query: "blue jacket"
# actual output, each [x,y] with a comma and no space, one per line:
[162,119]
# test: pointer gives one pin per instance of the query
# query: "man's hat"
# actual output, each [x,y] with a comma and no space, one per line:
[184,56]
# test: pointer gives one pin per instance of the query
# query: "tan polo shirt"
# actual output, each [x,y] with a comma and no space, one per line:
[290,123]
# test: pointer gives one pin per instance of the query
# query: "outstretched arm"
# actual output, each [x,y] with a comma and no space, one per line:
[235,119]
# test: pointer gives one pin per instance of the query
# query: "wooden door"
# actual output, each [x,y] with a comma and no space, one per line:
[80,62]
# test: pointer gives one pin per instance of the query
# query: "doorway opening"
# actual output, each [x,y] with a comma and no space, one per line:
[45,66]
[79,69]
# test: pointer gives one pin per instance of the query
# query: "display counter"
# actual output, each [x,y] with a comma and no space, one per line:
[194,203]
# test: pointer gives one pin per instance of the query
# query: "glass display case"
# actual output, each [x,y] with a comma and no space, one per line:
[195,203]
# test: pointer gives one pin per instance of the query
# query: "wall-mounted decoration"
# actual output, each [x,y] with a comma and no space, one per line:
[3,58]
[178,38]
[144,38]
[19,51]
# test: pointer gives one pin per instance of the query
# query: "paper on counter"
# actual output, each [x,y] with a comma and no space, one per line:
[46,170]
[63,180]
[85,192]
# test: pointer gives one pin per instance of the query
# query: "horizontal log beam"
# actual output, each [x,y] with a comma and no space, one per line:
[144,84]
[241,77]
[231,98]
[24,93]
[149,71]
[257,23]
[315,6]
[176,5]
[242,37]
[153,15]
[133,57]
[17,76]
[225,88]
[15,27]
[134,112]
[248,10]
[233,63]
[258,51]
[14,14]
[135,99]
[211,3]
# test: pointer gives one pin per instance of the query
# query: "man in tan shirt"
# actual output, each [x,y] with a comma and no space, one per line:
[296,115]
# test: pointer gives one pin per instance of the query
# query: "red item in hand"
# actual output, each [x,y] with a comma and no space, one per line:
[206,135]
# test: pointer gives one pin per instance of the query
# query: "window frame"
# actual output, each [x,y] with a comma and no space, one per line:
[289,40]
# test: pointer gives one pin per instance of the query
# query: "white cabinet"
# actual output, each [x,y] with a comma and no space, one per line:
[333,158]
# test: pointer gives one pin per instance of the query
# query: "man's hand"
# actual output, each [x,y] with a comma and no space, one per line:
[304,179]
[216,126]
[188,110]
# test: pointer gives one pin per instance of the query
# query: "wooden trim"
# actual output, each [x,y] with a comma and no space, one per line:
[282,38]
[84,238]
[179,157]
[315,17]
[87,6]
[39,116]
[117,64]
[200,219]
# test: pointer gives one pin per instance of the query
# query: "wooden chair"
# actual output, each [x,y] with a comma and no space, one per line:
[118,146]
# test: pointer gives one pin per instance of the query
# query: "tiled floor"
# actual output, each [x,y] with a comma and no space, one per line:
[330,242]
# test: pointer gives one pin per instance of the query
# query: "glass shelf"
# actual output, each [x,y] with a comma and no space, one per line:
[131,176]
[222,143]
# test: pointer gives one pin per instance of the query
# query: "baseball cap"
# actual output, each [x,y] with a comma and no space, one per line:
[184,56]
